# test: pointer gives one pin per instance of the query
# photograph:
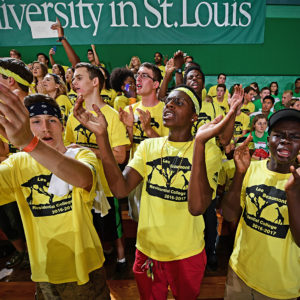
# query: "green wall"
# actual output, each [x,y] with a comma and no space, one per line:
[279,55]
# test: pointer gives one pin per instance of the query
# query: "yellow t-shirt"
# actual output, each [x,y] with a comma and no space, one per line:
[166,229]
[72,95]
[226,173]
[208,112]
[224,104]
[65,106]
[163,70]
[242,122]
[77,133]
[156,113]
[265,255]
[108,96]
[62,242]
[248,108]
[213,92]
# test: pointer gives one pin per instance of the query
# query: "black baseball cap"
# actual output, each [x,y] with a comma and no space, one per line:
[286,113]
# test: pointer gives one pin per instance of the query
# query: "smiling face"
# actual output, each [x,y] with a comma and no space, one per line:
[194,80]
[48,129]
[284,143]
[179,111]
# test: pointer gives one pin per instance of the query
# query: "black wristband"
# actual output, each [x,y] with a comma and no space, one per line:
[61,38]
[178,71]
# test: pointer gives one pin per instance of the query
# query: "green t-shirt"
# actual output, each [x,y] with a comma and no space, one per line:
[258,104]
[259,143]
[279,106]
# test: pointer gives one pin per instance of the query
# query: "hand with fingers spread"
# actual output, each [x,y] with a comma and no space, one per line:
[126,118]
[14,119]
[145,118]
[237,98]
[95,123]
[242,157]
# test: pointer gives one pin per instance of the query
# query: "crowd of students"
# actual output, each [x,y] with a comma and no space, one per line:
[183,150]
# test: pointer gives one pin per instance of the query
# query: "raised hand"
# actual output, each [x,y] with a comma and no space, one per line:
[237,98]
[178,59]
[126,118]
[293,183]
[242,157]
[14,119]
[57,26]
[170,67]
[209,130]
[95,123]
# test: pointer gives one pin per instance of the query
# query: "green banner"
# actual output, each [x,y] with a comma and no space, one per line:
[28,22]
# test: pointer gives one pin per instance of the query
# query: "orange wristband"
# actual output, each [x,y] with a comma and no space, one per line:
[32,145]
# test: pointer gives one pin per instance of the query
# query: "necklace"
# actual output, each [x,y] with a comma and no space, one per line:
[164,171]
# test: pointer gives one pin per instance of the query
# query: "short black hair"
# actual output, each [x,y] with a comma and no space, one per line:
[222,74]
[269,97]
[46,57]
[159,54]
[188,70]
[222,85]
[118,76]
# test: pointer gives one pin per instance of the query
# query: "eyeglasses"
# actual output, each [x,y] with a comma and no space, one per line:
[176,100]
[143,76]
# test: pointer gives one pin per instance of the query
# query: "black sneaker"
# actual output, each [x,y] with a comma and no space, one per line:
[15,259]
[212,262]
[121,267]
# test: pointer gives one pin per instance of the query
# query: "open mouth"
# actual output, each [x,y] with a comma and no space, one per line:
[283,153]
[47,139]
[168,115]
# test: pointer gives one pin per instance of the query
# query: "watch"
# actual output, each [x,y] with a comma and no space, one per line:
[61,38]
[178,71]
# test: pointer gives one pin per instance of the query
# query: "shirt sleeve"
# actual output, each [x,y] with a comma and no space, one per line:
[7,186]
[139,160]
[69,133]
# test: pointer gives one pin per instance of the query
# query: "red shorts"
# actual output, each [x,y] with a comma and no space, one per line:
[183,276]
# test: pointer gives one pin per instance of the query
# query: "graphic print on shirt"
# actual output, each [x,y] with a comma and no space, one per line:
[267,210]
[165,172]
[45,204]
[238,128]
[81,130]
[203,118]
[139,134]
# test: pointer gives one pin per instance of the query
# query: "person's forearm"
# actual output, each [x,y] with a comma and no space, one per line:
[231,207]
[52,61]
[72,56]
[227,133]
[178,78]
[294,209]
[68,169]
[164,86]
[113,174]
[199,190]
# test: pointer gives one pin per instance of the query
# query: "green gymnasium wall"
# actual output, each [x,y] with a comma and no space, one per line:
[278,56]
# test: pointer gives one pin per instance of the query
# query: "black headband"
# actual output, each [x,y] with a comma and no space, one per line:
[44,108]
